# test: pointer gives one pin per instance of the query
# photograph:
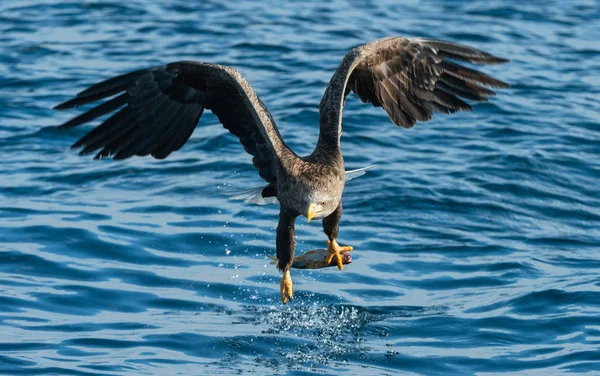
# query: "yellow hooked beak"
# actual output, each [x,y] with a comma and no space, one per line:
[312,211]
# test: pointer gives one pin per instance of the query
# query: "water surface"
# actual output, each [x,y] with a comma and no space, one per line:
[476,238]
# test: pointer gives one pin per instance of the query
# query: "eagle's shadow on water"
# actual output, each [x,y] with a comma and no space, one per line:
[314,336]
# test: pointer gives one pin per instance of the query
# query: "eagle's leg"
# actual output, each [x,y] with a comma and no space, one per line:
[334,250]
[285,244]
[286,286]
[331,226]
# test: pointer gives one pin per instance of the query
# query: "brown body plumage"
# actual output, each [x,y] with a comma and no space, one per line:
[158,109]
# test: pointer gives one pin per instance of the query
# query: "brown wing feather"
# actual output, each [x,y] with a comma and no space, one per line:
[157,110]
[412,78]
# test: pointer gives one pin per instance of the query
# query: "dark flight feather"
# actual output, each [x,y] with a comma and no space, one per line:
[159,108]
[412,78]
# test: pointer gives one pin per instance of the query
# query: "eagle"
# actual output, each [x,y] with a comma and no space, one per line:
[156,110]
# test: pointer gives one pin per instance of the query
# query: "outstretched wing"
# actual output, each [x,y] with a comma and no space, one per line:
[410,79]
[157,109]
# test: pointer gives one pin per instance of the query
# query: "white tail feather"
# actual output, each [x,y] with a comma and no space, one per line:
[252,196]
[352,174]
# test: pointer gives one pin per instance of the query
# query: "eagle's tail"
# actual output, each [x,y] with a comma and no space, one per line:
[254,195]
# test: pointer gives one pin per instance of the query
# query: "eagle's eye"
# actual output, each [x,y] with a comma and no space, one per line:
[322,203]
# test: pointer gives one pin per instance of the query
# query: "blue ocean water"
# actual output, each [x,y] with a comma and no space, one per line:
[477,237]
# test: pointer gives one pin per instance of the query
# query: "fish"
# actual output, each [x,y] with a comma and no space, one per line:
[314,259]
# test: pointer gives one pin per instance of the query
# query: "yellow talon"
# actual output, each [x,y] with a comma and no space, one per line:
[286,287]
[334,250]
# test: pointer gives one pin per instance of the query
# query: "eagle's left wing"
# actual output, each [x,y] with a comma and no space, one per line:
[409,78]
